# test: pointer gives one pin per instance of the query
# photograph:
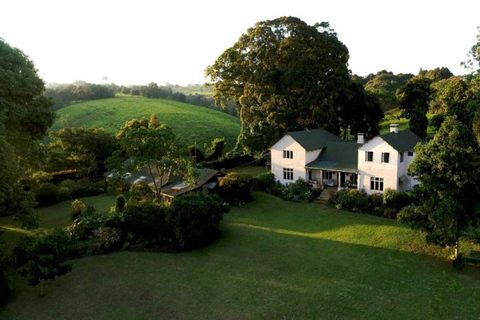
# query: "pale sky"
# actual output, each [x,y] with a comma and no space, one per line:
[143,41]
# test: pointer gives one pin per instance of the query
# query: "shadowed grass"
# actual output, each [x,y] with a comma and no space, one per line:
[275,260]
[54,216]
[252,170]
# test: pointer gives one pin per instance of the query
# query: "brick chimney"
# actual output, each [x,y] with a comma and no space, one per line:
[360,138]
[394,127]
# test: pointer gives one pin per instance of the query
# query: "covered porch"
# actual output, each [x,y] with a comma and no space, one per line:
[329,177]
[336,166]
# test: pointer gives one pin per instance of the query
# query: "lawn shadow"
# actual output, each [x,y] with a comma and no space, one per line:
[356,280]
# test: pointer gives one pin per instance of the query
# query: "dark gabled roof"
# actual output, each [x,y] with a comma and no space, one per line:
[337,156]
[402,141]
[313,139]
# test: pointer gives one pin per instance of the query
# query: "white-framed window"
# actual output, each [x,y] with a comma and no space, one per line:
[287,154]
[376,183]
[369,156]
[327,175]
[401,157]
[410,153]
[287,174]
[385,157]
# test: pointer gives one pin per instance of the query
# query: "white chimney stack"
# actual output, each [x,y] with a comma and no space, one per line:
[360,138]
[394,127]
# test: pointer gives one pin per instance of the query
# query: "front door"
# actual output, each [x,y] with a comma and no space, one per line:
[342,179]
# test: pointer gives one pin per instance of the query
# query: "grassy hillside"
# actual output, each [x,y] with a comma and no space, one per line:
[275,260]
[186,120]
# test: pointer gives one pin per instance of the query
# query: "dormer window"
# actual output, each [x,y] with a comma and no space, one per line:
[287,154]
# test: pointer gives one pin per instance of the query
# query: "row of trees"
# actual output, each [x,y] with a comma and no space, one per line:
[152,90]
[80,91]
[448,167]
[453,96]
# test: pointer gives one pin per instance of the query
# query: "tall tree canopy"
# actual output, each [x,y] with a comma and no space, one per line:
[358,111]
[82,149]
[473,62]
[25,116]
[448,169]
[384,85]
[414,101]
[437,74]
[283,75]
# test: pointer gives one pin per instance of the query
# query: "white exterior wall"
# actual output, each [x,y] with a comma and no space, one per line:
[297,163]
[388,171]
[402,170]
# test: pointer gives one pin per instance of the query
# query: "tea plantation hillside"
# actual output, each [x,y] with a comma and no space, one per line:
[186,120]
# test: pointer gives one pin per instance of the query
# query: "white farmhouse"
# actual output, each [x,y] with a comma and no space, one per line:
[326,160]
[291,154]
[383,161]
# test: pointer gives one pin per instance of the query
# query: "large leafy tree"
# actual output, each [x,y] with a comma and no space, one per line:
[448,169]
[43,256]
[459,99]
[25,115]
[82,149]
[283,75]
[414,101]
[359,111]
[384,85]
[152,145]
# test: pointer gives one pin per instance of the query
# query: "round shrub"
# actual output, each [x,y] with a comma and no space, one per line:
[145,222]
[64,193]
[83,227]
[47,194]
[140,191]
[235,188]
[194,219]
[300,191]
[264,181]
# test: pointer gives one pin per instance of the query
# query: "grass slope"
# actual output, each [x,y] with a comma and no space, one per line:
[275,260]
[186,120]
[54,216]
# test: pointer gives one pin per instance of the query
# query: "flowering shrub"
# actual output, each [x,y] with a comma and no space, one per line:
[108,237]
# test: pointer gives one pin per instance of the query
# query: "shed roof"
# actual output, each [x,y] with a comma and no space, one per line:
[142,175]
[402,141]
[337,156]
[205,175]
[313,139]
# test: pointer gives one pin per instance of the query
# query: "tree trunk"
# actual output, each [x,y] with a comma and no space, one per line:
[41,288]
[153,178]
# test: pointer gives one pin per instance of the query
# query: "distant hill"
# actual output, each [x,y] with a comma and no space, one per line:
[186,120]
[194,89]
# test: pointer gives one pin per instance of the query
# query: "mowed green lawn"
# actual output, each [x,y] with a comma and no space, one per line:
[275,260]
[186,120]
